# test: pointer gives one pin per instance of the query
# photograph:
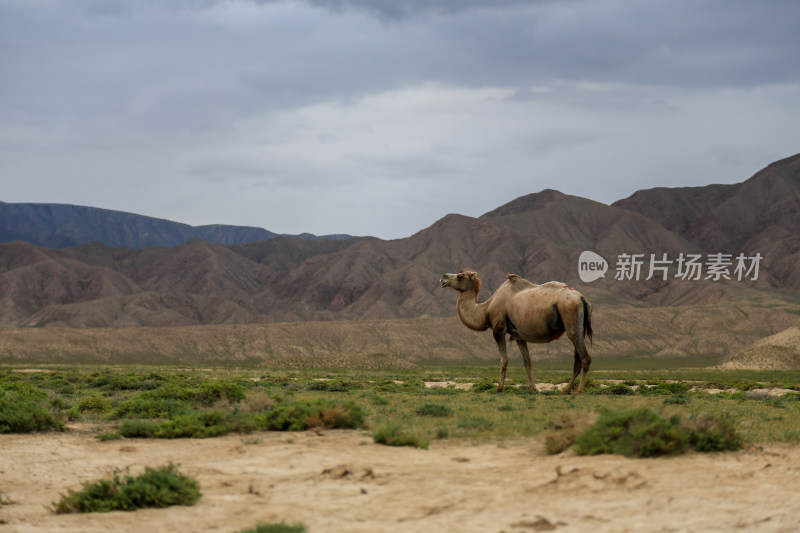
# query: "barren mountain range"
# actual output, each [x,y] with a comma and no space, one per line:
[62,225]
[539,236]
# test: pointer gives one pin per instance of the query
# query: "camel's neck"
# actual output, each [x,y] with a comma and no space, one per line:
[471,313]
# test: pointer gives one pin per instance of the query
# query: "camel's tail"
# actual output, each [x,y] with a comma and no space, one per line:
[587,319]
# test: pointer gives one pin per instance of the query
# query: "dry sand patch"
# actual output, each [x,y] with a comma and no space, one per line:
[340,481]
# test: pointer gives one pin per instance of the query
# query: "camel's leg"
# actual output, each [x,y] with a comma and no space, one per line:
[576,333]
[576,369]
[586,361]
[500,339]
[526,358]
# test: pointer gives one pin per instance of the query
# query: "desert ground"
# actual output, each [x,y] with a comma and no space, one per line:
[340,481]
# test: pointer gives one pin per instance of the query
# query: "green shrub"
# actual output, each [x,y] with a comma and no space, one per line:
[172,391]
[23,390]
[118,382]
[62,386]
[212,391]
[318,385]
[710,434]
[199,424]
[96,403]
[661,388]
[137,429]
[389,385]
[618,389]
[341,385]
[676,399]
[644,433]
[636,432]
[156,487]
[484,385]
[434,409]
[142,406]
[298,416]
[393,434]
[21,414]
[335,416]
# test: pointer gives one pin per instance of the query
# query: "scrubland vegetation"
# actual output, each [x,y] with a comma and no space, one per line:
[155,487]
[633,412]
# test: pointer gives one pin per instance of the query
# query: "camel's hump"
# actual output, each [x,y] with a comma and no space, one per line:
[518,282]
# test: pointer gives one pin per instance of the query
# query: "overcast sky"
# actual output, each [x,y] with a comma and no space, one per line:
[378,117]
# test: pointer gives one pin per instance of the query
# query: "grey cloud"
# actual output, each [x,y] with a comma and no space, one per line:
[258,94]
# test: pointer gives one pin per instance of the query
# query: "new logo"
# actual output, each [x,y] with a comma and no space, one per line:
[591,266]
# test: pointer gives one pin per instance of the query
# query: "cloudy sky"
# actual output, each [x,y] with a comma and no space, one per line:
[378,117]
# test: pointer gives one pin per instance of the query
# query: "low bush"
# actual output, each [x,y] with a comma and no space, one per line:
[244,417]
[148,407]
[636,432]
[618,389]
[213,391]
[391,385]
[96,403]
[644,433]
[198,424]
[156,487]
[711,434]
[137,429]
[484,385]
[21,414]
[393,434]
[665,388]
[298,416]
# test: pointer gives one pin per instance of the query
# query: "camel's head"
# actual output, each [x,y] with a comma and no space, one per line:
[463,281]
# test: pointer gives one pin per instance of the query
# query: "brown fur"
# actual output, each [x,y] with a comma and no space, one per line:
[527,313]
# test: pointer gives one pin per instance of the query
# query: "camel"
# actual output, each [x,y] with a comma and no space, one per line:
[528,313]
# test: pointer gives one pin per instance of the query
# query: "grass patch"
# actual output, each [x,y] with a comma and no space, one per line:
[203,401]
[394,434]
[434,409]
[244,418]
[156,487]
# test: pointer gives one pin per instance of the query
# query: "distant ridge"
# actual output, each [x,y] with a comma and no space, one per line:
[539,236]
[65,225]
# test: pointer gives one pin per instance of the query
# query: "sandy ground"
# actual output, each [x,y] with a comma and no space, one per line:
[340,481]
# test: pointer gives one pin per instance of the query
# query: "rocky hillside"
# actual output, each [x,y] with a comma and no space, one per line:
[539,236]
[780,351]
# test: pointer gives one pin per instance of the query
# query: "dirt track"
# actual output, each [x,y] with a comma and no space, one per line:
[340,481]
